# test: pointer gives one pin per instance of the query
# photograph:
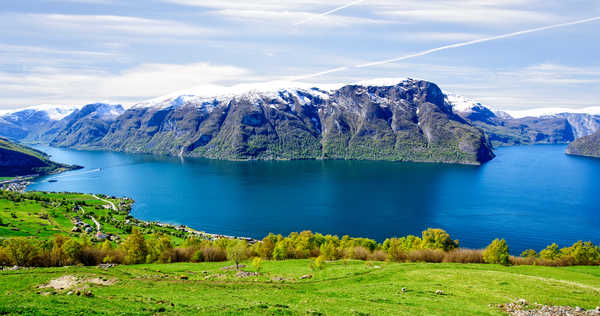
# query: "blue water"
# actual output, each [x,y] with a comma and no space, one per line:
[531,195]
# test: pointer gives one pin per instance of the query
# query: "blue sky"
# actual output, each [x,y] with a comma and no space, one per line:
[83,51]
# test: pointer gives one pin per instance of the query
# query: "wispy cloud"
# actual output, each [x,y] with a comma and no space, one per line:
[326,13]
[452,46]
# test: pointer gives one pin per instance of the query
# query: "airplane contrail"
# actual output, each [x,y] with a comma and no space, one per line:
[329,12]
[446,47]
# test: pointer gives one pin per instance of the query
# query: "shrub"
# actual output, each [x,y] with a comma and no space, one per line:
[426,255]
[497,252]
[4,260]
[360,253]
[377,255]
[214,254]
[198,256]
[434,238]
[464,256]
[522,261]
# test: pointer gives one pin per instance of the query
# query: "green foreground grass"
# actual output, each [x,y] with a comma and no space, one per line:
[342,288]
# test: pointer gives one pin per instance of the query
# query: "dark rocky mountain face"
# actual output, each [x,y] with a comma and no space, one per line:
[406,122]
[586,146]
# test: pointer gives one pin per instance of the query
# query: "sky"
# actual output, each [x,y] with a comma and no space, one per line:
[75,52]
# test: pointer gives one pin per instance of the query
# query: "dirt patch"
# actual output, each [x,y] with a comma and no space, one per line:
[67,282]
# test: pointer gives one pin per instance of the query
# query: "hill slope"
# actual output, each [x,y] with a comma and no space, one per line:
[19,160]
[586,146]
[342,288]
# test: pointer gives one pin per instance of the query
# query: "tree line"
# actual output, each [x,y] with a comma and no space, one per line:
[434,245]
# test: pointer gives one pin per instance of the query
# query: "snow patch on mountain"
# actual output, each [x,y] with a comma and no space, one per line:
[209,96]
[54,112]
[461,103]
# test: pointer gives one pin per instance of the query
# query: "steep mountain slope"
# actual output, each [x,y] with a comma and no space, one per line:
[504,129]
[19,160]
[586,146]
[84,126]
[408,121]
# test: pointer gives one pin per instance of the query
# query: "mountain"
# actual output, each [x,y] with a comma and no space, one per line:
[28,122]
[84,126]
[586,146]
[19,160]
[504,129]
[406,121]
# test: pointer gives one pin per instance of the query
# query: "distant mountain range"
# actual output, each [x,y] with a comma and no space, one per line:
[407,120]
[504,129]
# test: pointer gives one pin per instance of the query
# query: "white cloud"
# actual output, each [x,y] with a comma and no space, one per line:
[97,24]
[555,74]
[52,85]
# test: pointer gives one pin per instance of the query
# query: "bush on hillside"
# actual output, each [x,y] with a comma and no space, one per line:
[497,252]
[434,238]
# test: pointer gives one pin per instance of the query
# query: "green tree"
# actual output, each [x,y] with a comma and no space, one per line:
[237,252]
[257,263]
[267,245]
[329,251]
[529,253]
[435,238]
[21,251]
[497,252]
[584,253]
[280,251]
[72,250]
[135,247]
[317,263]
[551,252]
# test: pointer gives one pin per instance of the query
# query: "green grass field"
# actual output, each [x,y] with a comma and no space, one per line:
[342,288]
[27,216]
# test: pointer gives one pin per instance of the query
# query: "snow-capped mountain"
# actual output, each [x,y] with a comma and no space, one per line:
[544,125]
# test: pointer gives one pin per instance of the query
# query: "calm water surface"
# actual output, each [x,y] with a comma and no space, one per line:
[530,195]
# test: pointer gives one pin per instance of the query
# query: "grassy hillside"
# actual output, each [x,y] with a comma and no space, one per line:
[43,215]
[19,160]
[342,288]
